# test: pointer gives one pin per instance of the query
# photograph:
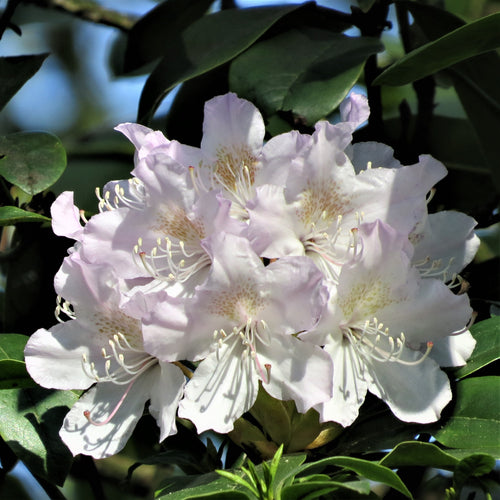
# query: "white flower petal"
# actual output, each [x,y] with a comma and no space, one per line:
[66,217]
[447,241]
[349,387]
[101,441]
[224,386]
[298,371]
[414,393]
[231,122]
[166,393]
[54,357]
[454,350]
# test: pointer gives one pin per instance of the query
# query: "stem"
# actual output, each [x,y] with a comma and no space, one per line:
[7,16]
[425,90]
[52,490]
[372,24]
[92,475]
[89,10]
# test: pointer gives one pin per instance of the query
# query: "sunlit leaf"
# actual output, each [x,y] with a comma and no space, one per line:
[475,422]
[207,43]
[306,70]
[32,160]
[316,489]
[364,468]
[463,43]
[15,71]
[12,215]
[202,486]
[30,423]
[13,372]
[487,350]
[419,454]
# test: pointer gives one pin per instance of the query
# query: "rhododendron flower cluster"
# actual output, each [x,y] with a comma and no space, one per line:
[305,265]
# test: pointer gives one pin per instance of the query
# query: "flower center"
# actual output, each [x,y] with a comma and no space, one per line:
[124,358]
[234,170]
[177,256]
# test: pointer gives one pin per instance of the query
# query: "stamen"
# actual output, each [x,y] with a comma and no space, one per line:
[368,342]
[63,306]
[430,195]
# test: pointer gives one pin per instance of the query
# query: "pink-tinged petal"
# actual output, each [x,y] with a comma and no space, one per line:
[54,357]
[224,386]
[274,229]
[166,393]
[397,196]
[413,393]
[165,335]
[85,285]
[281,157]
[134,132]
[298,371]
[101,441]
[230,123]
[365,155]
[143,138]
[354,110]
[66,217]
[445,244]
[297,296]
[380,276]
[165,178]
[454,350]
[349,386]
[109,240]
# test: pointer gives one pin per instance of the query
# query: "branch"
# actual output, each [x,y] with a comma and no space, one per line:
[89,10]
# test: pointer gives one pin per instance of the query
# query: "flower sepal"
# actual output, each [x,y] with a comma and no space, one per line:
[278,423]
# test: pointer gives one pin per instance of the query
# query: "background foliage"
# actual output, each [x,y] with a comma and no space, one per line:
[433,87]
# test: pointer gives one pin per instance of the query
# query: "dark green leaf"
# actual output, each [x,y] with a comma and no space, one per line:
[288,467]
[487,350]
[475,422]
[315,489]
[15,71]
[203,486]
[190,101]
[30,423]
[377,429]
[13,372]
[273,417]
[247,435]
[419,454]
[307,71]
[365,5]
[32,160]
[13,215]
[207,43]
[463,43]
[152,34]
[364,468]
[475,81]
[472,466]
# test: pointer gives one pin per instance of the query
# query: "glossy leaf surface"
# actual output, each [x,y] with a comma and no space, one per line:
[32,160]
